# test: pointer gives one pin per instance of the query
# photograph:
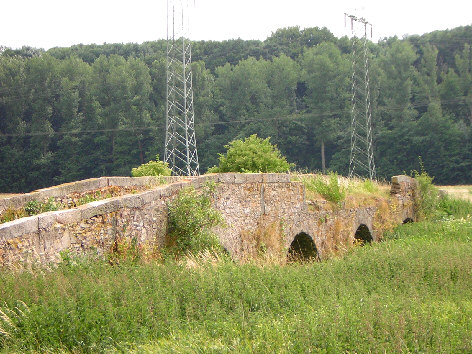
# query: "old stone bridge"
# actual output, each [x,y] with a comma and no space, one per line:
[262,212]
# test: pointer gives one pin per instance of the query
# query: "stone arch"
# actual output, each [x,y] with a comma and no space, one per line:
[302,248]
[408,220]
[363,235]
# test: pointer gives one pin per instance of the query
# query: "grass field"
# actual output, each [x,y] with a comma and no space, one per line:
[411,293]
[462,192]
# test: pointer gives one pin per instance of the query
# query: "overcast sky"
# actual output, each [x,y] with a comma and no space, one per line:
[53,23]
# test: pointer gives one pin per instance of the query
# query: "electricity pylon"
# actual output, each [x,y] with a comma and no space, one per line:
[180,144]
[361,161]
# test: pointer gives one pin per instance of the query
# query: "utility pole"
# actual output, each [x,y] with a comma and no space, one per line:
[361,161]
[180,142]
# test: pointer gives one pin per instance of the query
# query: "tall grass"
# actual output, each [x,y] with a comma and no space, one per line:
[329,188]
[411,293]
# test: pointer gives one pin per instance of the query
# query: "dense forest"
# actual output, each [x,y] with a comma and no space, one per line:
[92,110]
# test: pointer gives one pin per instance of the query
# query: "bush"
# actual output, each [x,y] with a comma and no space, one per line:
[152,168]
[427,204]
[190,220]
[252,155]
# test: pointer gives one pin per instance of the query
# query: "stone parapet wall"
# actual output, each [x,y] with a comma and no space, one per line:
[59,192]
[260,211]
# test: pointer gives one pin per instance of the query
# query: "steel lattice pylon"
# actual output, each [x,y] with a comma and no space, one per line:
[361,161]
[180,143]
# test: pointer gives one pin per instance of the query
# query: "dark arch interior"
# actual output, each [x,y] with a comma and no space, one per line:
[407,220]
[302,249]
[363,235]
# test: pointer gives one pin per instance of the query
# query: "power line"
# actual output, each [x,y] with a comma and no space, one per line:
[288,117]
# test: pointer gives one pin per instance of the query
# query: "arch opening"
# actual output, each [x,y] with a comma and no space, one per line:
[362,235]
[408,221]
[302,249]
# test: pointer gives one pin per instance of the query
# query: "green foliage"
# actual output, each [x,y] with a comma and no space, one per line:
[456,208]
[34,207]
[190,220]
[409,294]
[92,110]
[152,168]
[88,198]
[11,214]
[427,203]
[432,205]
[252,155]
[369,186]
[331,190]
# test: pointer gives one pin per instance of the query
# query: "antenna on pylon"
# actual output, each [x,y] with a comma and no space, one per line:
[180,143]
[361,162]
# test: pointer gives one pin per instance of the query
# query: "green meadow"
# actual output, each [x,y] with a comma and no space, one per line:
[411,292]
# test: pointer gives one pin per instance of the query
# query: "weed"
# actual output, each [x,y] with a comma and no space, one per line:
[33,207]
[11,214]
[12,321]
[330,190]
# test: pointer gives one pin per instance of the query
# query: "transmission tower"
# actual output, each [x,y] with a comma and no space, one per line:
[180,143]
[361,161]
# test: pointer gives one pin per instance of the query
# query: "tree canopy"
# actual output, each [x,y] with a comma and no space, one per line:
[92,110]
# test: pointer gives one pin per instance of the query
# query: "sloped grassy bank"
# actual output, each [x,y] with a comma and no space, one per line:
[412,292]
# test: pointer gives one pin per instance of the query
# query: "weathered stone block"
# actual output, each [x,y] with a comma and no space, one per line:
[68,216]
[226,177]
[122,181]
[172,189]
[90,184]
[209,178]
[99,208]
[149,196]
[240,178]
[18,227]
[276,178]
[132,201]
[46,220]
[402,179]
[254,177]
[14,202]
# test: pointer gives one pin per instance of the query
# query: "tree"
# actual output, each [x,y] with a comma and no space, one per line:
[251,156]
[327,76]
[396,113]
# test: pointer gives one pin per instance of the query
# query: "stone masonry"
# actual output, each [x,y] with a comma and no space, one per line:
[260,210]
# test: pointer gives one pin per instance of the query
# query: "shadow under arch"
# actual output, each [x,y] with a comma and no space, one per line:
[408,221]
[363,235]
[302,249]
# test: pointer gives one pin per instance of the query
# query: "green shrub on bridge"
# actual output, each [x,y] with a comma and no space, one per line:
[252,155]
[152,168]
[191,218]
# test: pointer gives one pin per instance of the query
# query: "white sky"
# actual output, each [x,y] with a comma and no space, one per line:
[51,23]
